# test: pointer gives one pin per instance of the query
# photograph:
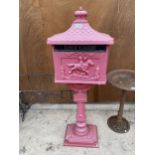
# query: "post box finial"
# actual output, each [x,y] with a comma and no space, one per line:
[81,13]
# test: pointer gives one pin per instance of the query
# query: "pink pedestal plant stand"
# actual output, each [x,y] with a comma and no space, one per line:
[80,57]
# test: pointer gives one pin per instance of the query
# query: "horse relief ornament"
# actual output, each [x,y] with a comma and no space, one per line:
[81,67]
[80,57]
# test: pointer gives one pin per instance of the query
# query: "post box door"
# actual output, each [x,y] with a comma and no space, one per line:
[80,63]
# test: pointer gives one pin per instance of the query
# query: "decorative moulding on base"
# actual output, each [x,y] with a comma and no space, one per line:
[88,140]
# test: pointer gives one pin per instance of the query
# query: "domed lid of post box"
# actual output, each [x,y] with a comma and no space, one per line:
[80,33]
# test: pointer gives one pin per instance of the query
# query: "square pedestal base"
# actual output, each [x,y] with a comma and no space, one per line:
[88,140]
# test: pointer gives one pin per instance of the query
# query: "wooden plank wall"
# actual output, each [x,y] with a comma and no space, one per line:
[40,19]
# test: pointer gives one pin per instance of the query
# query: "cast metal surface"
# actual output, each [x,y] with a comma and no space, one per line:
[80,133]
[124,80]
[121,126]
[80,57]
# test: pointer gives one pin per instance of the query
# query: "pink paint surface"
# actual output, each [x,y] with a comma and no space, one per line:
[81,133]
[80,33]
[79,67]
[80,70]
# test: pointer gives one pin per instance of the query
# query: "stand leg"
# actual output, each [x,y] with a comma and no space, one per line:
[118,123]
[80,133]
[121,107]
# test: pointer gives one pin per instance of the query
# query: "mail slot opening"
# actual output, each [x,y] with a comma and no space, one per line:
[80,48]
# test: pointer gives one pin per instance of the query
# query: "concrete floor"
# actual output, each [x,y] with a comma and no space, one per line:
[42,132]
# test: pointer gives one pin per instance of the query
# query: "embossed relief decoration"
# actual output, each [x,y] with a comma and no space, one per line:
[80,67]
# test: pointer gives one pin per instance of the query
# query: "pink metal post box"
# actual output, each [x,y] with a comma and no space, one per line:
[80,60]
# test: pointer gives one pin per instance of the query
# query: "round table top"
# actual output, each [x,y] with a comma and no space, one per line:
[123,79]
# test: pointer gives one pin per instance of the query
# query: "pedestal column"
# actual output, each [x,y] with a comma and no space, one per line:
[80,97]
[81,133]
